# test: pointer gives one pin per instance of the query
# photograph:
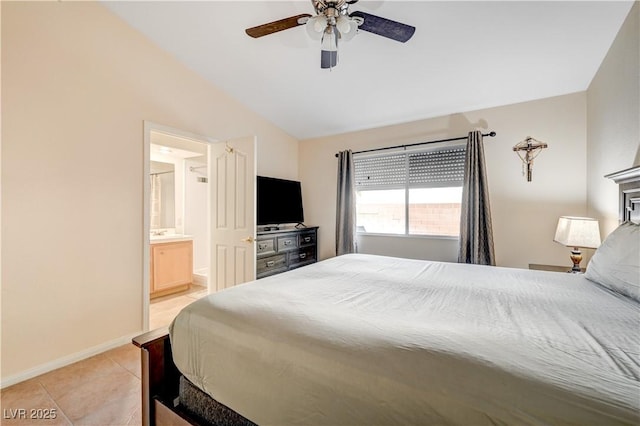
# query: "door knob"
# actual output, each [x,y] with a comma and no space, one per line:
[248,240]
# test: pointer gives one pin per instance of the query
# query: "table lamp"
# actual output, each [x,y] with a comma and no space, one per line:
[577,232]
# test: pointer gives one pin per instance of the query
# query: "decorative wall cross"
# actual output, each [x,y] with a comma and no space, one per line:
[527,150]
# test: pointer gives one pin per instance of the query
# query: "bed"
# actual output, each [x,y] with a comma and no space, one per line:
[362,339]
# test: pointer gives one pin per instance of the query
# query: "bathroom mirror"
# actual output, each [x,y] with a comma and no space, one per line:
[163,196]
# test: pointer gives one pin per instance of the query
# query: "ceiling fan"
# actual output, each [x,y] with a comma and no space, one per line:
[333,23]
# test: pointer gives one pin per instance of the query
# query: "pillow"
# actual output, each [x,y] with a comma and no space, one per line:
[616,263]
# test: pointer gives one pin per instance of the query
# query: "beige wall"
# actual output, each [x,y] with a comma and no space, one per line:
[77,84]
[613,113]
[525,214]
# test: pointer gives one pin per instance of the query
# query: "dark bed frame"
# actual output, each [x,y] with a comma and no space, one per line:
[161,378]
[160,381]
[163,387]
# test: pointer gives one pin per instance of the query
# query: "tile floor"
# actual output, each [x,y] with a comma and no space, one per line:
[163,310]
[103,390]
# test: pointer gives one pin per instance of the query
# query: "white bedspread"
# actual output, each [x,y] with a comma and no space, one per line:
[362,339]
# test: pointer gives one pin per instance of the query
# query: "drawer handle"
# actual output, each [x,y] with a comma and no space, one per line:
[303,255]
[270,263]
[262,246]
[287,242]
[307,239]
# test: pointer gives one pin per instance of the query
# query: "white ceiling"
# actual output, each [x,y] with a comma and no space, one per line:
[465,55]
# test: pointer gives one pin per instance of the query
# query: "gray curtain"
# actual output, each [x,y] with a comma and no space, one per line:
[346,205]
[476,234]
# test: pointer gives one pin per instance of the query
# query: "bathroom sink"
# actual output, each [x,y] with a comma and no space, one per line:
[167,238]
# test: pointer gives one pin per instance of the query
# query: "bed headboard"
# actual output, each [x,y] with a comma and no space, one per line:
[629,183]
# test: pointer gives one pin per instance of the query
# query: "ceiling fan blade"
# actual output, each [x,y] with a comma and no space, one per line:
[384,27]
[275,26]
[328,58]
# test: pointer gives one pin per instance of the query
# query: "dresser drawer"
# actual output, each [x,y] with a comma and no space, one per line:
[304,255]
[266,246]
[287,242]
[306,238]
[282,250]
[272,263]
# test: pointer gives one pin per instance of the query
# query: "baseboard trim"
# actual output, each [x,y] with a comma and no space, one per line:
[200,279]
[66,360]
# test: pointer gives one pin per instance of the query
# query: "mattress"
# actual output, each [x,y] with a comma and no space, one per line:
[362,339]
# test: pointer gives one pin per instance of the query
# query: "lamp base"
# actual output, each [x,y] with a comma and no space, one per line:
[576,258]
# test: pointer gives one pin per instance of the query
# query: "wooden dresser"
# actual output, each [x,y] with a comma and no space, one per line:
[285,249]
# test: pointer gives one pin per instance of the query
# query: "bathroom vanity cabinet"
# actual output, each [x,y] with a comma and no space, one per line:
[171,267]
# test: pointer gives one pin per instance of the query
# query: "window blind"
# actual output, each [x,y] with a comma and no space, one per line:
[381,172]
[423,169]
[437,168]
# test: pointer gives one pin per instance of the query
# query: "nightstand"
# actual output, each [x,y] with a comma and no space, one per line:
[552,268]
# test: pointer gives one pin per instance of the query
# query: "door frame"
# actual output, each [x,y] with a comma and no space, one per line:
[150,126]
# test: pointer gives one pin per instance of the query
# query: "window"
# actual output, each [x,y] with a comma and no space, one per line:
[412,193]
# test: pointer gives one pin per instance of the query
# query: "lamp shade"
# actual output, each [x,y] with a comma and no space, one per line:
[578,232]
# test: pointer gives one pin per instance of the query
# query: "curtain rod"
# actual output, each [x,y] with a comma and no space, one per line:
[161,173]
[491,134]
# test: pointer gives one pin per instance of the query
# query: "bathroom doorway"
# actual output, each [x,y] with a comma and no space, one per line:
[177,234]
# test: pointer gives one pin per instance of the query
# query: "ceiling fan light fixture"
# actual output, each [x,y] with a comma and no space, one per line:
[329,48]
[347,27]
[316,26]
[328,59]
[329,39]
[344,25]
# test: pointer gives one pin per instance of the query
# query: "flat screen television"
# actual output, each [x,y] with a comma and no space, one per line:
[279,201]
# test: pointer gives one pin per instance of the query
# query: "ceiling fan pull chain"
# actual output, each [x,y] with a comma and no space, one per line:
[336,36]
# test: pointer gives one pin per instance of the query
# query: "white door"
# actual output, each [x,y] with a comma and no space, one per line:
[233,177]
